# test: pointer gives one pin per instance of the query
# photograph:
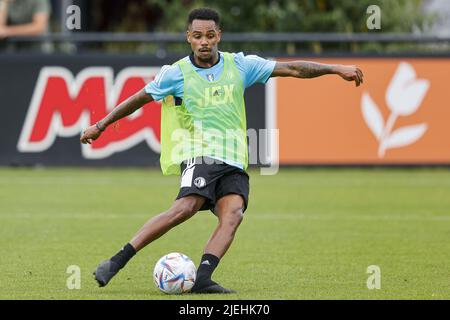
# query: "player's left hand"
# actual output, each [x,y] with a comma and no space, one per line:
[351,73]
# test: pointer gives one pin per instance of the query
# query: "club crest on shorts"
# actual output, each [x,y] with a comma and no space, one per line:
[200,182]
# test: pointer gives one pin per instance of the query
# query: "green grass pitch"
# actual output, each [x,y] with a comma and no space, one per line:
[307,234]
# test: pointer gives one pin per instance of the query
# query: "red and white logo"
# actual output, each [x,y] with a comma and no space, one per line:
[63,105]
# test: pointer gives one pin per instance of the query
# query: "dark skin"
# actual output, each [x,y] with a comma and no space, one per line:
[204,37]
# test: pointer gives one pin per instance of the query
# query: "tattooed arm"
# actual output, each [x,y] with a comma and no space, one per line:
[308,69]
[124,109]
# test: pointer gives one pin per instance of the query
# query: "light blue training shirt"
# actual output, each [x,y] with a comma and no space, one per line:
[169,81]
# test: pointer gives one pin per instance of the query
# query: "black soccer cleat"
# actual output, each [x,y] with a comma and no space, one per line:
[210,287]
[105,271]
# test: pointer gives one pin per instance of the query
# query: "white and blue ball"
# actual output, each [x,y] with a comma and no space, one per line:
[174,273]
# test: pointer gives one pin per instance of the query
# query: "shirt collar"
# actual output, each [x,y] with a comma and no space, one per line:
[191,57]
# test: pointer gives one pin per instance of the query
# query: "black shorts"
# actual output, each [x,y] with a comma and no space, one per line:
[212,179]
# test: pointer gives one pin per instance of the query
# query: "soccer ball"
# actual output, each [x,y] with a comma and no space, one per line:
[174,273]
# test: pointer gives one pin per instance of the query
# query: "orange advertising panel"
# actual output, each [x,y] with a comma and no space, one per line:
[399,115]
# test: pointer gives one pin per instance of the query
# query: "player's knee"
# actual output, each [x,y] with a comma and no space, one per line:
[233,219]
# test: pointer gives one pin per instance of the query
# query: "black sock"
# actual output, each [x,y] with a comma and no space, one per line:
[124,255]
[207,266]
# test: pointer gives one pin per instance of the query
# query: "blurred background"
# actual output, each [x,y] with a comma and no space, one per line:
[65,64]
[414,26]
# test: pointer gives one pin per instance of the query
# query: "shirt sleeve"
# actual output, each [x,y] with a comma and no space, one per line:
[254,68]
[166,83]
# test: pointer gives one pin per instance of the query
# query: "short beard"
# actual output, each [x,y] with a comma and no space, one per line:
[205,59]
[210,59]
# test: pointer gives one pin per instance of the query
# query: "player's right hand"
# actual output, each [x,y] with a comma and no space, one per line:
[90,134]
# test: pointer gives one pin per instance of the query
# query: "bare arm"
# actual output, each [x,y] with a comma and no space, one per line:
[308,69]
[124,109]
[36,27]
[3,12]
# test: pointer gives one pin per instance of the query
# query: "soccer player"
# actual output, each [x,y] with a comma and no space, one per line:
[203,93]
